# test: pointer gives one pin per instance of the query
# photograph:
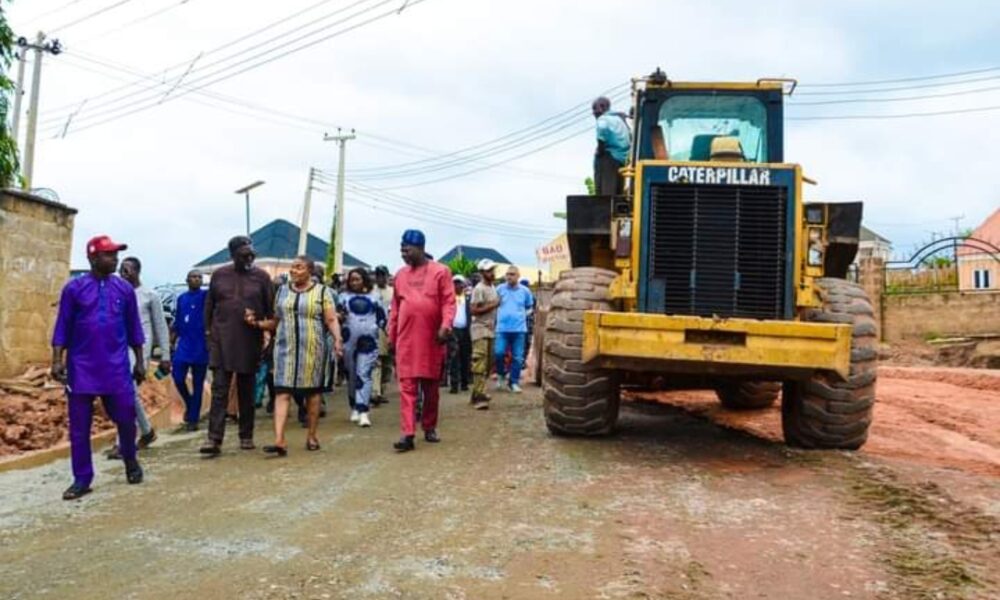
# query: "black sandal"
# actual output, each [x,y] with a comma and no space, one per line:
[312,445]
[279,450]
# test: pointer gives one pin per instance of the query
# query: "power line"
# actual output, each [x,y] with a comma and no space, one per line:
[895,116]
[53,11]
[273,57]
[440,213]
[89,16]
[903,88]
[897,99]
[136,21]
[428,207]
[480,169]
[901,79]
[531,128]
[504,148]
[235,55]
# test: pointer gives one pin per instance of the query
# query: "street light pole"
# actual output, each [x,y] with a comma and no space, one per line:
[246,193]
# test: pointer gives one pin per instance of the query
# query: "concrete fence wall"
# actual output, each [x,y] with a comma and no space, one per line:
[35,242]
[919,316]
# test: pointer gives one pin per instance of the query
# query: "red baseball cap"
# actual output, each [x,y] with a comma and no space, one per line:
[103,243]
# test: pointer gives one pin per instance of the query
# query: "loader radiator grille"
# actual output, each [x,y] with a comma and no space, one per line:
[718,249]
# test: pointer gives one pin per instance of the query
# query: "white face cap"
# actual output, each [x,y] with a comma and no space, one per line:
[486,265]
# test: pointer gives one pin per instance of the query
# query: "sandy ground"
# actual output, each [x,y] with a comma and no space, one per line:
[926,416]
[671,507]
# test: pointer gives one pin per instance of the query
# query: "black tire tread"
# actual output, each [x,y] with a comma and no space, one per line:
[824,411]
[579,400]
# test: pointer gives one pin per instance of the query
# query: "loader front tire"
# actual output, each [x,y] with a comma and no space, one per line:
[825,411]
[579,399]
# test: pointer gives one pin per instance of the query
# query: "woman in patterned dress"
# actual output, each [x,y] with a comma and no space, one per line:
[364,318]
[304,310]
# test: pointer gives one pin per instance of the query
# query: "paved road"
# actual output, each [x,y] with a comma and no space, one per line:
[672,507]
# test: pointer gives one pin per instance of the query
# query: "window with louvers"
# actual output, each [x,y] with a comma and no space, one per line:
[719,249]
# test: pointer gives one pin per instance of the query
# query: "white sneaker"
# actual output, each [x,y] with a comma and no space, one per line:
[501,385]
[364,421]
[515,388]
[355,415]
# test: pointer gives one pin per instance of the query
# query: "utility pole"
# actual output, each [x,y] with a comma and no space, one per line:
[18,95]
[337,262]
[304,226]
[40,47]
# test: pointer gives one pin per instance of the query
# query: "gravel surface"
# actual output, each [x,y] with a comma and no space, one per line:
[673,506]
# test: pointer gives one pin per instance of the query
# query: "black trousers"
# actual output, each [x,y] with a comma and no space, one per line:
[220,400]
[460,358]
[607,181]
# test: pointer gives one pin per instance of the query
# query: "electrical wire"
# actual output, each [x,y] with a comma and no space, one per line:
[52,11]
[133,22]
[89,16]
[890,116]
[110,104]
[190,87]
[901,79]
[902,88]
[575,134]
[512,144]
[896,99]
[427,207]
[614,90]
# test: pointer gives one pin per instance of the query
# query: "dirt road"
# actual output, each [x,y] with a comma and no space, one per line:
[925,416]
[672,507]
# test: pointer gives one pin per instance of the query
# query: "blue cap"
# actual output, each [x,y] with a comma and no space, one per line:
[525,283]
[414,237]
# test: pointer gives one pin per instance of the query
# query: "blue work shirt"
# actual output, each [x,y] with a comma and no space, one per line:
[512,315]
[189,325]
[613,131]
[98,322]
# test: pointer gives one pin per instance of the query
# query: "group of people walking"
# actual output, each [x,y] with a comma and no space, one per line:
[436,326]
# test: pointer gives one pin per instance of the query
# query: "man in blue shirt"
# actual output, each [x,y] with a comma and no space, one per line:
[191,349]
[613,142]
[512,328]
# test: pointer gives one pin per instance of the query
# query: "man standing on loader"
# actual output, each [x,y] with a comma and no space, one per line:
[613,141]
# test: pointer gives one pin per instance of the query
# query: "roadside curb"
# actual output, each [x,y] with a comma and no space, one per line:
[161,419]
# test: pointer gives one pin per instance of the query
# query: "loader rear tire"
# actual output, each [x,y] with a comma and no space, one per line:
[748,395]
[579,399]
[825,411]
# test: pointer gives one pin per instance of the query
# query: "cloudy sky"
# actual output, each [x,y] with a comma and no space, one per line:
[471,114]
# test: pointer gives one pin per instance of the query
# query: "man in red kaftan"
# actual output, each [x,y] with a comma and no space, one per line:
[423,309]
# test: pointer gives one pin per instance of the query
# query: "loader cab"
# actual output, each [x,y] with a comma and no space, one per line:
[683,121]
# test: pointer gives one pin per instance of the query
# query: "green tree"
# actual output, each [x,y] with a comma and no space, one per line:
[591,186]
[9,164]
[462,266]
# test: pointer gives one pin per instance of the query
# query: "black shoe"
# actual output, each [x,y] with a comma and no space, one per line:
[432,436]
[279,450]
[211,448]
[75,491]
[191,426]
[465,388]
[405,444]
[247,445]
[147,439]
[133,472]
[453,390]
[113,453]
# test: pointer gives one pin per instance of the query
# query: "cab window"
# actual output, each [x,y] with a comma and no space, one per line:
[689,123]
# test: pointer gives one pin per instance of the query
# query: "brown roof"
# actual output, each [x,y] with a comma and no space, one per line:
[988,231]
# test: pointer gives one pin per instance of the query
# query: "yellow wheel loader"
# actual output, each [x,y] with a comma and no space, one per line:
[710,271]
